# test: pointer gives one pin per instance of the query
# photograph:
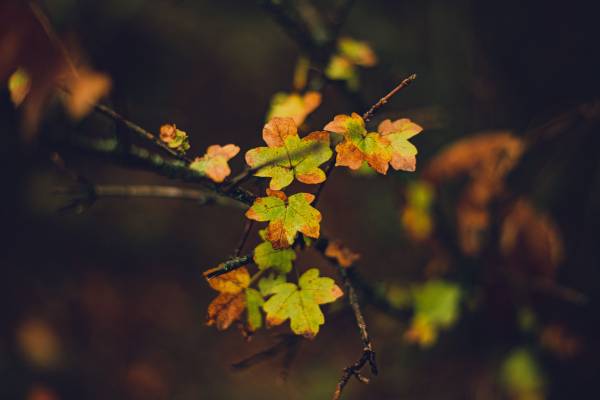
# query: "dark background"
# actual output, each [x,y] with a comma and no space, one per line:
[120,286]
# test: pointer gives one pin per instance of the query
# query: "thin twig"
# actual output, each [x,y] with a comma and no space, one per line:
[247,229]
[143,133]
[143,158]
[407,81]
[328,172]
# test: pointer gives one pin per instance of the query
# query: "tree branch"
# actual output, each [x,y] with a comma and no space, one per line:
[407,81]
[141,132]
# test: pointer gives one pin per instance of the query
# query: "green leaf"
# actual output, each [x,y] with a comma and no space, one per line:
[267,283]
[521,374]
[254,300]
[286,216]
[300,304]
[265,256]
[288,157]
[438,302]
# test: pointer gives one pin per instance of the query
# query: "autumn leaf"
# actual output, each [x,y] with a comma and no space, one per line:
[229,305]
[254,301]
[359,145]
[397,133]
[225,309]
[343,255]
[286,216]
[357,52]
[231,282]
[300,303]
[287,156]
[214,163]
[85,88]
[174,138]
[416,215]
[265,256]
[293,105]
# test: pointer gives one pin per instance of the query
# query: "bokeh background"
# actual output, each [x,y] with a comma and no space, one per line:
[111,303]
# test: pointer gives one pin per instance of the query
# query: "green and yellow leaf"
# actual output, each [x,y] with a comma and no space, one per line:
[359,145]
[265,256]
[287,156]
[174,138]
[300,303]
[267,283]
[254,301]
[286,216]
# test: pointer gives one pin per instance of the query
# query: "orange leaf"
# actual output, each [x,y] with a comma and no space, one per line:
[225,309]
[344,256]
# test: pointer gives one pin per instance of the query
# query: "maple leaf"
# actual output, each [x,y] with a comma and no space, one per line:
[286,216]
[344,256]
[265,256]
[300,303]
[254,300]
[293,105]
[357,52]
[229,305]
[287,156]
[214,163]
[174,138]
[398,133]
[359,145]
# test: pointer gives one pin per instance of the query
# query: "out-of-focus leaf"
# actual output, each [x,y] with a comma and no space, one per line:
[85,88]
[28,44]
[416,215]
[531,240]
[436,306]
[286,216]
[560,341]
[214,163]
[485,158]
[357,52]
[343,255]
[287,156]
[38,343]
[19,84]
[301,303]
[293,105]
[521,376]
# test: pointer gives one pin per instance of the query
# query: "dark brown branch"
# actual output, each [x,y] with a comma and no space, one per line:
[143,133]
[368,355]
[230,265]
[407,81]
